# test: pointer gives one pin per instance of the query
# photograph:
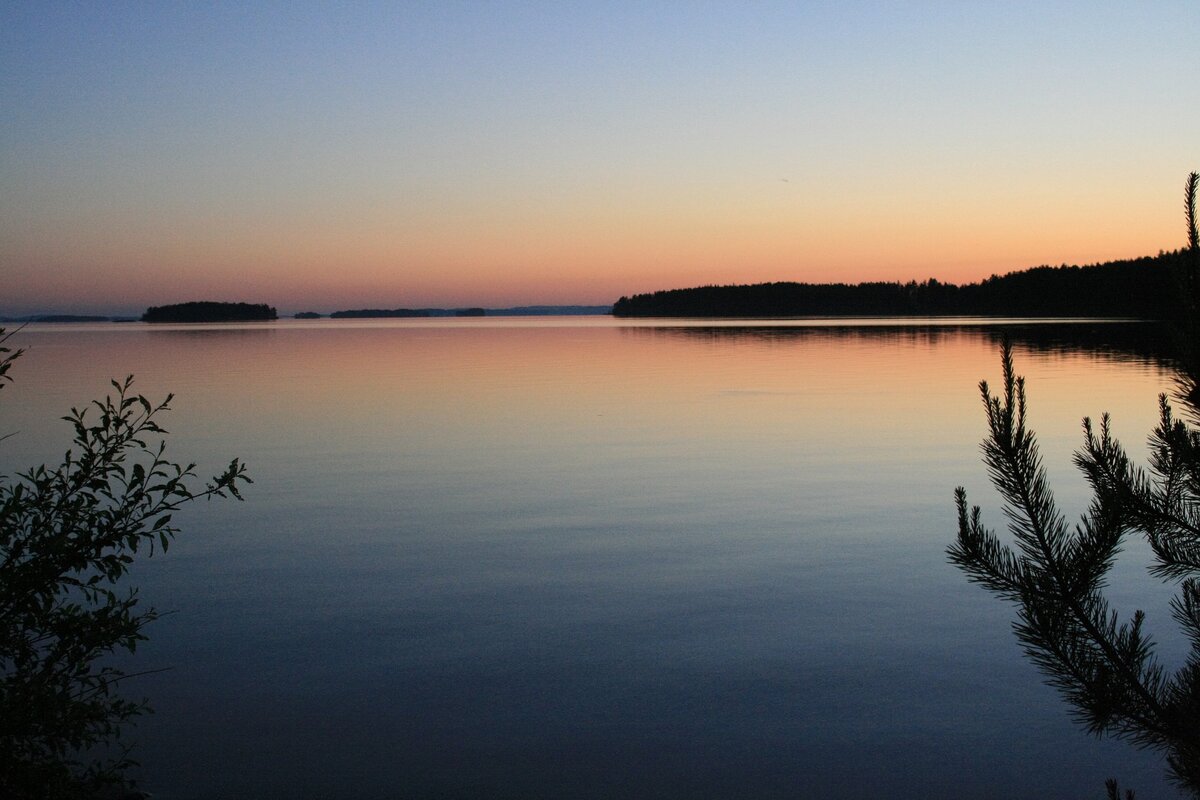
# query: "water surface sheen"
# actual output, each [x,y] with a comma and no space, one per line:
[583,558]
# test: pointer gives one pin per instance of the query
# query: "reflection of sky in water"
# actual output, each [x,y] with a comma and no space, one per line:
[592,560]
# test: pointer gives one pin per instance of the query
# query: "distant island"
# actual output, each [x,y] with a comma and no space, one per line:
[517,311]
[66,318]
[549,311]
[241,312]
[206,311]
[70,318]
[373,313]
[1140,288]
[379,313]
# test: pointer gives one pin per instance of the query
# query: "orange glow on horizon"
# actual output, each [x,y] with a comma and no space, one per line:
[589,249]
[347,157]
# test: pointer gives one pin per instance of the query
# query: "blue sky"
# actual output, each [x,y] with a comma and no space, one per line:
[338,155]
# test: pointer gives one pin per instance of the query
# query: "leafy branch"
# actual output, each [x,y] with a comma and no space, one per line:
[68,537]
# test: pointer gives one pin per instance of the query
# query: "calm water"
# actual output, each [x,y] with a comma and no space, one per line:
[574,558]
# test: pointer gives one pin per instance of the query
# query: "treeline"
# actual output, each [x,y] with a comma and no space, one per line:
[376,313]
[206,311]
[1142,288]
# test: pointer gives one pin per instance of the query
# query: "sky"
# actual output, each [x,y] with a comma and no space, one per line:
[328,156]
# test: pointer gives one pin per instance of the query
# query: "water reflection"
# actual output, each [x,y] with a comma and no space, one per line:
[210,331]
[1147,342]
[585,559]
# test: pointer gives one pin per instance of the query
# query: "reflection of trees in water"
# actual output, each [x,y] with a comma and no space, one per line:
[207,331]
[1146,342]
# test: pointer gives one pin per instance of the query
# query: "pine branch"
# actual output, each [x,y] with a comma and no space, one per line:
[1107,670]
[1189,210]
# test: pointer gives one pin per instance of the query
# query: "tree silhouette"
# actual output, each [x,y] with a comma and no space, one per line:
[1189,210]
[1055,573]
[68,536]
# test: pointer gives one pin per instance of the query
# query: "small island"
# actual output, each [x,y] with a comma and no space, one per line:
[380,313]
[207,311]
[306,315]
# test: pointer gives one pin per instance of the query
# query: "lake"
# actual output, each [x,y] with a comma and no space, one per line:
[594,558]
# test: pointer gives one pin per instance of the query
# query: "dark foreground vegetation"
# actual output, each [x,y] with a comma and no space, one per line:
[206,311]
[69,533]
[1137,288]
[1056,573]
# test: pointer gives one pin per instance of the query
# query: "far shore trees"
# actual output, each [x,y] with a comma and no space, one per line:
[1135,288]
[207,311]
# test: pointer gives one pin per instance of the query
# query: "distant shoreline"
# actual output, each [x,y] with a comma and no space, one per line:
[473,311]
[1140,288]
[513,311]
[67,318]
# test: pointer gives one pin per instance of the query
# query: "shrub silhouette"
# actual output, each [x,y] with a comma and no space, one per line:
[68,536]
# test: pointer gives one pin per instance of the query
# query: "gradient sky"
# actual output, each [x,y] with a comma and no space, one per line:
[348,155]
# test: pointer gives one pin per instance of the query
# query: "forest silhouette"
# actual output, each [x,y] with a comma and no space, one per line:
[1057,575]
[209,311]
[1136,288]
